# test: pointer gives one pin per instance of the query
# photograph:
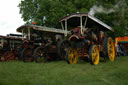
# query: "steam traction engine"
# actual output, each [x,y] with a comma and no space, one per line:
[39,43]
[9,47]
[87,39]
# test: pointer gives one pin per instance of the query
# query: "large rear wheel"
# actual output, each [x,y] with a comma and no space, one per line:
[109,49]
[94,56]
[40,55]
[72,56]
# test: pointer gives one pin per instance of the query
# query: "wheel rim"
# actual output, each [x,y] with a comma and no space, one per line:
[95,55]
[111,50]
[73,56]
[10,56]
[40,55]
[40,59]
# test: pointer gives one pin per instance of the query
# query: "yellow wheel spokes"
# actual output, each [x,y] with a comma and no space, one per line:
[95,55]
[73,56]
[113,53]
[70,57]
[111,50]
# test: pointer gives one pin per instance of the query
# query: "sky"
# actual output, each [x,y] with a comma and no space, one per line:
[10,19]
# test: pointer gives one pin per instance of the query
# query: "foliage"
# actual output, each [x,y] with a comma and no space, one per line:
[48,12]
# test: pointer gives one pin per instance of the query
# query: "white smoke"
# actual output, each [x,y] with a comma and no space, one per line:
[100,9]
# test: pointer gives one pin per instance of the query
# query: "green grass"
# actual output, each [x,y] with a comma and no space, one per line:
[61,73]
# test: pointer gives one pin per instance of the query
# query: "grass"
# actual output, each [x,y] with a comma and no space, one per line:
[61,73]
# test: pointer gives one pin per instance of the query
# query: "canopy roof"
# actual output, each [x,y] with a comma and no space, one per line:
[89,17]
[40,28]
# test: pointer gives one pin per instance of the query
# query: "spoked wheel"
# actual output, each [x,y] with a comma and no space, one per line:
[72,56]
[8,56]
[40,55]
[94,56]
[27,55]
[109,49]
[62,47]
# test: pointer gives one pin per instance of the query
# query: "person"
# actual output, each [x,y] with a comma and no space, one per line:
[118,50]
[94,36]
[102,35]
[58,38]
[123,50]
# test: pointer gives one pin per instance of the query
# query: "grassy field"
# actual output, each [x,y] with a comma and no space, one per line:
[61,73]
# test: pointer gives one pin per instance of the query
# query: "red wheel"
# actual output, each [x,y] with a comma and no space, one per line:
[10,56]
[7,56]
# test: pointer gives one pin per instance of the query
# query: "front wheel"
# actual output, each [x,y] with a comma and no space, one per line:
[72,55]
[94,55]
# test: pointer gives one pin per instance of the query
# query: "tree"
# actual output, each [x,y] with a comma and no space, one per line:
[118,19]
[48,12]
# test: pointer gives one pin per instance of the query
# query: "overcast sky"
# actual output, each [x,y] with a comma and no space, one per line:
[10,19]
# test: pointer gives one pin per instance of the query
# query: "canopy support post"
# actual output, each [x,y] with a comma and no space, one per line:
[81,25]
[85,22]
[22,34]
[65,27]
[29,34]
